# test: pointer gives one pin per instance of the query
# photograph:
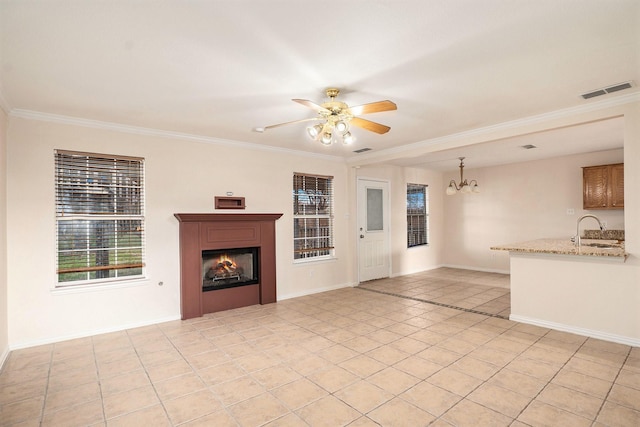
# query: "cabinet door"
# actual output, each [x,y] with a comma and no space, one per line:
[594,187]
[616,186]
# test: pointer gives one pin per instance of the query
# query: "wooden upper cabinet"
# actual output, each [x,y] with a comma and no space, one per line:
[603,187]
[617,186]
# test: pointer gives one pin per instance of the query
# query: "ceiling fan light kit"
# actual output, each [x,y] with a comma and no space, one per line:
[463,187]
[342,126]
[314,131]
[337,118]
[326,138]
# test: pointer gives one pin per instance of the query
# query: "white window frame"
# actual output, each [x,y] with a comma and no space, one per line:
[417,235]
[313,202]
[102,194]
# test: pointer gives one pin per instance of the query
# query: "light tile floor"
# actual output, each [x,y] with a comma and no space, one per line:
[346,357]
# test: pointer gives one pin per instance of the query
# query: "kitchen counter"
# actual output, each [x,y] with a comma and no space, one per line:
[586,291]
[566,247]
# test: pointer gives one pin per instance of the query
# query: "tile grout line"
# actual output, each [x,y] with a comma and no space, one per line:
[613,383]
[95,361]
[422,380]
[551,379]
[514,419]
[468,310]
[46,389]
[146,373]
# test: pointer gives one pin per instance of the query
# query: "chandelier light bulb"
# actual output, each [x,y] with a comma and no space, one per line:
[347,138]
[326,138]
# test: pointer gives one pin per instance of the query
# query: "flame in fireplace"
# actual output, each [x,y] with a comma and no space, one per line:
[226,264]
[224,268]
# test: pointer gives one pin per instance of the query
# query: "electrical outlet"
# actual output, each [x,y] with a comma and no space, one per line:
[571,211]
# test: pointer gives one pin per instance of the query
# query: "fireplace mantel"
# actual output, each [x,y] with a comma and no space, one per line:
[211,217]
[205,231]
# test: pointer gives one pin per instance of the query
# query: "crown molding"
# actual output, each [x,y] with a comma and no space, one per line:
[138,130]
[514,124]
[364,158]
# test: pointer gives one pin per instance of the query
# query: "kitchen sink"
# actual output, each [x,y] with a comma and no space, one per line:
[601,245]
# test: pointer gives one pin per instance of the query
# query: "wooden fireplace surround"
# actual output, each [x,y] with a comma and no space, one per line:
[201,232]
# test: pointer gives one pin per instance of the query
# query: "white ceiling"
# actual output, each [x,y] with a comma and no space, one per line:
[220,68]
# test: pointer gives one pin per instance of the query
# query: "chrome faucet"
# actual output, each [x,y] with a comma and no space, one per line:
[577,238]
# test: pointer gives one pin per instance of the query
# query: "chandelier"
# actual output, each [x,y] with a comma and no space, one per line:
[464,186]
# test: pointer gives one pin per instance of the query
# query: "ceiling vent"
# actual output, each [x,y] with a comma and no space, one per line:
[362,150]
[528,146]
[606,90]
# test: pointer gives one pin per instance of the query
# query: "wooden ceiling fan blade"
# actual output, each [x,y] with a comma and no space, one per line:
[369,125]
[312,105]
[285,124]
[374,107]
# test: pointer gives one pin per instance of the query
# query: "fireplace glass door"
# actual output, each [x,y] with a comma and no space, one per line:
[228,268]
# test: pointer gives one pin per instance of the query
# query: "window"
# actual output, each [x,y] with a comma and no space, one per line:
[99,217]
[312,216]
[417,215]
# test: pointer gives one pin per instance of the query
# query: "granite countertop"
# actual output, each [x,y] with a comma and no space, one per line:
[566,247]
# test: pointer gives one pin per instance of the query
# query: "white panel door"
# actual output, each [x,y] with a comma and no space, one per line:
[373,229]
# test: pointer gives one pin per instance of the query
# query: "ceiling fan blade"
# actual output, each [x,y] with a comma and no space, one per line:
[369,125]
[262,129]
[312,105]
[374,107]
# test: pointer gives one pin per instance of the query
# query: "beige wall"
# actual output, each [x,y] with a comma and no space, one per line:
[4,321]
[520,202]
[181,176]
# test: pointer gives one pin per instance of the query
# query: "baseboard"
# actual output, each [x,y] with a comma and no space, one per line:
[315,291]
[27,344]
[3,357]
[620,339]
[486,270]
[460,267]
[405,273]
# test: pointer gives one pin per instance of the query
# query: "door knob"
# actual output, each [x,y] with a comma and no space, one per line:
[362,236]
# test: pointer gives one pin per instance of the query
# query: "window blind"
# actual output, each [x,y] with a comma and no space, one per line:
[99,216]
[313,215]
[417,225]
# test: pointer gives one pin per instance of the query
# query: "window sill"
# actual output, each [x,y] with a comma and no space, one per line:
[307,261]
[102,286]
[424,245]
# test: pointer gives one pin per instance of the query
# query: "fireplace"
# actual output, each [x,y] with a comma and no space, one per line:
[229,268]
[226,261]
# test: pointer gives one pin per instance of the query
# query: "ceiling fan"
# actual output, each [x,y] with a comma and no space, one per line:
[337,118]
